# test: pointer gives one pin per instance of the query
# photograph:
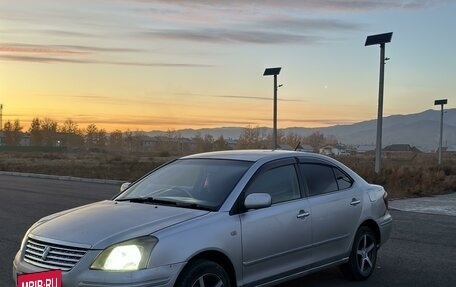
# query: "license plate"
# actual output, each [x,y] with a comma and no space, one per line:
[51,278]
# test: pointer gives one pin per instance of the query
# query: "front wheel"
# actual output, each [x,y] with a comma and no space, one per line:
[203,273]
[363,255]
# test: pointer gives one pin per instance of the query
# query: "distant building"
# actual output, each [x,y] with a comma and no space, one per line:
[424,149]
[333,150]
[24,141]
[450,149]
[149,143]
[365,148]
[299,147]
[401,148]
[160,143]
[285,147]
[304,148]
[232,143]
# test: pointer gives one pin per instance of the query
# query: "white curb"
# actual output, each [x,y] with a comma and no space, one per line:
[60,177]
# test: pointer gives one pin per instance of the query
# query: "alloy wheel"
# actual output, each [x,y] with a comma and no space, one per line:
[208,280]
[365,254]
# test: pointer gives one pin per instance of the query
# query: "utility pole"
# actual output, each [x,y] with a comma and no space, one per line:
[441,103]
[380,39]
[274,72]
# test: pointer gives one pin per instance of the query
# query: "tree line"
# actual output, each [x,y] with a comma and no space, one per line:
[258,138]
[48,132]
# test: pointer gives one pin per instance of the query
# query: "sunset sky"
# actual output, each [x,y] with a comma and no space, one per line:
[171,64]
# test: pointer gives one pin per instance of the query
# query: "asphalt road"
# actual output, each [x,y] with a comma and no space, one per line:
[420,252]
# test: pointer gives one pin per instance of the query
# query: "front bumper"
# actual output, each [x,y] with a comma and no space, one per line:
[82,276]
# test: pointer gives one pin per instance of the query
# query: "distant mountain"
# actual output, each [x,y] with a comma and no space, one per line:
[421,130]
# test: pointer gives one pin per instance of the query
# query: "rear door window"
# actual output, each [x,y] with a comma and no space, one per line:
[343,180]
[320,178]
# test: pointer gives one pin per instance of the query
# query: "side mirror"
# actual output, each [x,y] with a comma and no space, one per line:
[257,200]
[124,186]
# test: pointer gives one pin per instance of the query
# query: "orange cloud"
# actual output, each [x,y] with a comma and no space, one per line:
[37,49]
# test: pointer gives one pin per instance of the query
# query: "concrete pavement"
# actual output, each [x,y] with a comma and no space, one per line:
[439,204]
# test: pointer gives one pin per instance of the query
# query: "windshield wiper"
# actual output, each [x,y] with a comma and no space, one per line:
[152,200]
[148,199]
[193,205]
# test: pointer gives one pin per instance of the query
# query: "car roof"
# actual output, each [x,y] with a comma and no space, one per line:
[263,156]
[248,155]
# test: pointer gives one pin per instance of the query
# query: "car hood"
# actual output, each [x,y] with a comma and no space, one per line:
[104,223]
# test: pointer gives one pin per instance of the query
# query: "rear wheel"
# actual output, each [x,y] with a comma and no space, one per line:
[203,273]
[363,255]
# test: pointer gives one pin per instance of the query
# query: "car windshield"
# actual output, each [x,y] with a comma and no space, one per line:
[193,183]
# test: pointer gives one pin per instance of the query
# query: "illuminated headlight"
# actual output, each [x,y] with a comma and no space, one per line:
[126,256]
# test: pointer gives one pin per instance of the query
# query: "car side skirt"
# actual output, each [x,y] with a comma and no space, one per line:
[296,273]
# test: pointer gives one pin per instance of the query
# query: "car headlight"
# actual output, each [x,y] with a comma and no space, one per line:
[126,256]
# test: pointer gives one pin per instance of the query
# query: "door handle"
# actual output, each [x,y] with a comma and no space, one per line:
[302,214]
[355,202]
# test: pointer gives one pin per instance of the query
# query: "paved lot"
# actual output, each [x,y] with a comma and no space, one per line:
[25,200]
[419,253]
[439,204]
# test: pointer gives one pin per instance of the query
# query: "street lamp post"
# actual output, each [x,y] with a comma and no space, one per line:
[274,72]
[441,103]
[379,39]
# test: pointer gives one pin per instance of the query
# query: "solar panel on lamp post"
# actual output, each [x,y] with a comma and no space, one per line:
[441,103]
[379,39]
[274,72]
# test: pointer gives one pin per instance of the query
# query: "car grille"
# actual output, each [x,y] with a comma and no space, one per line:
[52,256]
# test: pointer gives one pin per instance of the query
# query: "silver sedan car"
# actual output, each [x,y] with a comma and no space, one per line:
[234,218]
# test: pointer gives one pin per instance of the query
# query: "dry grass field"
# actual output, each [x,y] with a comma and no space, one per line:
[126,167]
[407,174]
[403,174]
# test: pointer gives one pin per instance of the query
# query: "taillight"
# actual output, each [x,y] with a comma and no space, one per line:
[385,199]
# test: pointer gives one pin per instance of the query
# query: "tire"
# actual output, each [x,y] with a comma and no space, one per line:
[363,255]
[203,273]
